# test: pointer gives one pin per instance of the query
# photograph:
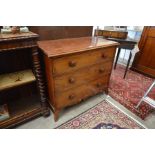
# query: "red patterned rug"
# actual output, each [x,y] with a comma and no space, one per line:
[130,90]
[102,116]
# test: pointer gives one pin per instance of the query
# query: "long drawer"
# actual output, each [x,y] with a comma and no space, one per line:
[71,80]
[76,61]
[77,94]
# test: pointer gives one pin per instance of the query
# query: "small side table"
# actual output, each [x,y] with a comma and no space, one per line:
[124,44]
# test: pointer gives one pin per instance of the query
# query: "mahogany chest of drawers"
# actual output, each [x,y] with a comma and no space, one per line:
[76,69]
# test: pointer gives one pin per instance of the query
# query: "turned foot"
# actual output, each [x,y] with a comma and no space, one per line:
[106,91]
[56,114]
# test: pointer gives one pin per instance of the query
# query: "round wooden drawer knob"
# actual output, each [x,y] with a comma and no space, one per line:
[98,85]
[71,80]
[103,56]
[71,97]
[72,63]
[101,70]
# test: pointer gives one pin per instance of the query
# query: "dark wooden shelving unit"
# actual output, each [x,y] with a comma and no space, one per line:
[21,109]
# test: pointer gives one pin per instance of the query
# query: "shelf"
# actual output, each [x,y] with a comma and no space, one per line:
[15,79]
[20,110]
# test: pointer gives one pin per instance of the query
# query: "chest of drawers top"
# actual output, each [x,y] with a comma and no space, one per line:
[53,48]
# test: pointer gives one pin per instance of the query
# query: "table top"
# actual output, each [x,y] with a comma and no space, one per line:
[9,37]
[114,30]
[59,47]
[127,40]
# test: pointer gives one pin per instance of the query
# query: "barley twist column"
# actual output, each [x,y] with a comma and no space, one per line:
[40,80]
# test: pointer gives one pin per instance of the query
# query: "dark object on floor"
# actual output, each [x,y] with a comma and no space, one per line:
[107,126]
[130,90]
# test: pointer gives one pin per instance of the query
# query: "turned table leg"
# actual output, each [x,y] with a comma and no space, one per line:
[127,66]
[106,90]
[40,81]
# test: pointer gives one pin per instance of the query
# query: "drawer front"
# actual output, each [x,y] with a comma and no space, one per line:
[98,32]
[17,44]
[106,33]
[76,61]
[114,34]
[74,96]
[122,35]
[71,80]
